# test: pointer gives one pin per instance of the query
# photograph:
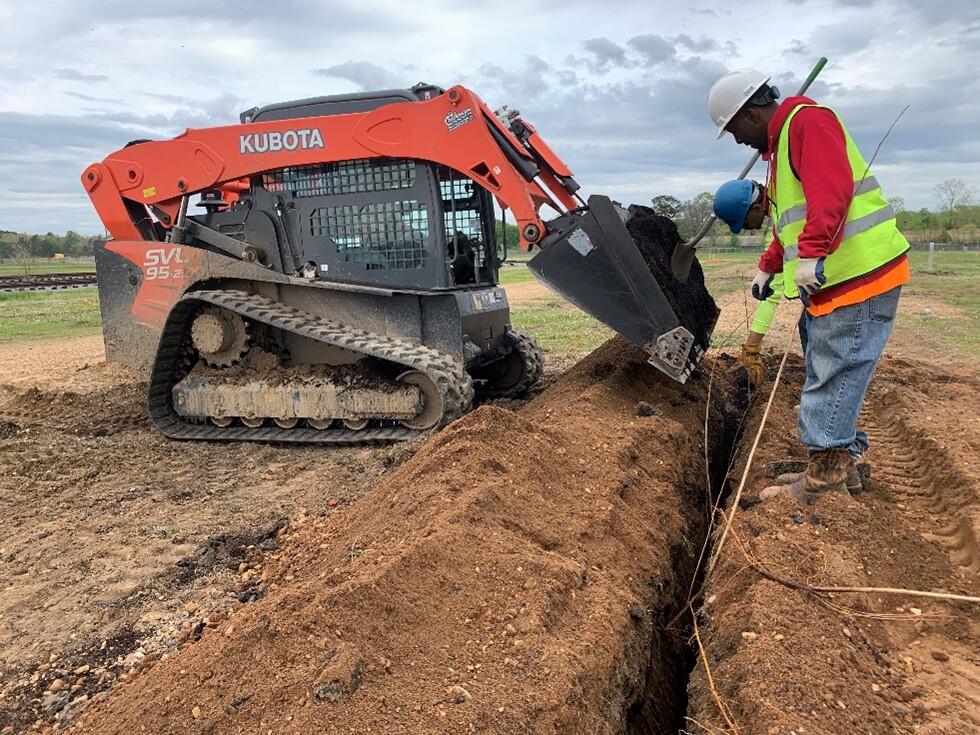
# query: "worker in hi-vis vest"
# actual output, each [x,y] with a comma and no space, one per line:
[838,249]
[742,204]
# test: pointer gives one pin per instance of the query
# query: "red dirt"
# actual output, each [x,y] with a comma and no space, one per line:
[572,520]
[509,578]
[783,661]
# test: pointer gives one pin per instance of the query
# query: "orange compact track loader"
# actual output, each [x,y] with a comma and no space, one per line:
[340,281]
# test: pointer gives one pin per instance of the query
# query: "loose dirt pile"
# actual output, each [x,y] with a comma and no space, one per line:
[783,661]
[514,576]
[115,543]
[656,237]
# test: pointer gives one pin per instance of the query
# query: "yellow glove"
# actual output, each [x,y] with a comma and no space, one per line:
[751,360]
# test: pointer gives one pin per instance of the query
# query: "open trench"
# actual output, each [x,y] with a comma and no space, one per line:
[517,575]
[662,704]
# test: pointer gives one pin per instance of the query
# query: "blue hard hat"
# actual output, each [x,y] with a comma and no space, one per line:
[732,202]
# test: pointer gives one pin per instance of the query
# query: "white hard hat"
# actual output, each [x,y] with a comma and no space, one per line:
[729,93]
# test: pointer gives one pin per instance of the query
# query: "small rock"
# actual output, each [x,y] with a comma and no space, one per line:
[940,656]
[332,502]
[749,635]
[341,677]
[82,670]
[778,637]
[510,629]
[926,311]
[458,694]
[54,702]
[645,409]
[191,607]
[57,685]
[875,687]
[846,632]
[915,611]
[196,713]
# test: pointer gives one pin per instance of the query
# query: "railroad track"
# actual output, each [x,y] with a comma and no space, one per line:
[47,282]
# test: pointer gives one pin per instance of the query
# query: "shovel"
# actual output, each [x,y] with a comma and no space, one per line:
[683,257]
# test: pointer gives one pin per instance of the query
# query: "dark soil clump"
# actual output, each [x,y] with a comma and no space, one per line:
[656,237]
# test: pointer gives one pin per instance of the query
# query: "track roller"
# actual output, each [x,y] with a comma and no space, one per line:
[432,409]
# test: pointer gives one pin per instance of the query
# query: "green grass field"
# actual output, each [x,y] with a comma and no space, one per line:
[954,283]
[44,267]
[37,315]
[561,328]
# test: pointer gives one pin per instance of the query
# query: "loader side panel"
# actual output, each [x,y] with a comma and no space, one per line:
[127,341]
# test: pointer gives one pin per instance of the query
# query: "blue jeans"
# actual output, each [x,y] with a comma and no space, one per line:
[842,350]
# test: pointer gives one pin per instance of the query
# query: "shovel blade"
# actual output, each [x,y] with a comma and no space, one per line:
[589,257]
[682,260]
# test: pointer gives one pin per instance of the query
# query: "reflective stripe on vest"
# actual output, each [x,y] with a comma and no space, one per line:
[853,227]
[870,238]
[795,214]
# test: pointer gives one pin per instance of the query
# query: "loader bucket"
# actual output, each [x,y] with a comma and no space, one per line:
[590,258]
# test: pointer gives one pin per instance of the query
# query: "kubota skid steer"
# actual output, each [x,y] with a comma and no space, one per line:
[341,282]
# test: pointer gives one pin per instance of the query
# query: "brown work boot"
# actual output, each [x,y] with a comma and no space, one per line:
[852,482]
[826,472]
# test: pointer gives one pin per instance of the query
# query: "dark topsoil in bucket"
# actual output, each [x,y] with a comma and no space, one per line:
[656,237]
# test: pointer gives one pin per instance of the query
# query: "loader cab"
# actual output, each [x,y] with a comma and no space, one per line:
[389,222]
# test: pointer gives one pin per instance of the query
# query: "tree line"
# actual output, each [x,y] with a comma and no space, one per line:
[18,245]
[958,209]
[956,199]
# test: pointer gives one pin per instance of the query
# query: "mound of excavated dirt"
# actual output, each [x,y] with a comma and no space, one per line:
[656,237]
[783,661]
[513,577]
[115,543]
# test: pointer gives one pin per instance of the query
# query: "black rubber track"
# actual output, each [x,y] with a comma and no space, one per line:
[453,382]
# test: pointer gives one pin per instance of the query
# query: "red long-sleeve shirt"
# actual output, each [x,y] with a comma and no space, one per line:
[818,155]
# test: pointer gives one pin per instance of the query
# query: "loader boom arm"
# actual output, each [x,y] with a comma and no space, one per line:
[455,129]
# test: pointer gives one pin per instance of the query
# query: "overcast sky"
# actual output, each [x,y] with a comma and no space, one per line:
[617,88]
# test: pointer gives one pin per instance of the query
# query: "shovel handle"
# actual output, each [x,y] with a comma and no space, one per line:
[814,73]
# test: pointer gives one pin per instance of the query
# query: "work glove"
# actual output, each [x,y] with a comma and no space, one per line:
[751,360]
[809,276]
[760,285]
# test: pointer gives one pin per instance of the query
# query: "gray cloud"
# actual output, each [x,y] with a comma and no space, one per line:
[533,79]
[364,74]
[626,110]
[90,98]
[702,45]
[796,48]
[73,75]
[603,55]
[653,49]
[962,11]
[296,23]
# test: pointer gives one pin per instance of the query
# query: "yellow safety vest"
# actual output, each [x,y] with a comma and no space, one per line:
[871,237]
